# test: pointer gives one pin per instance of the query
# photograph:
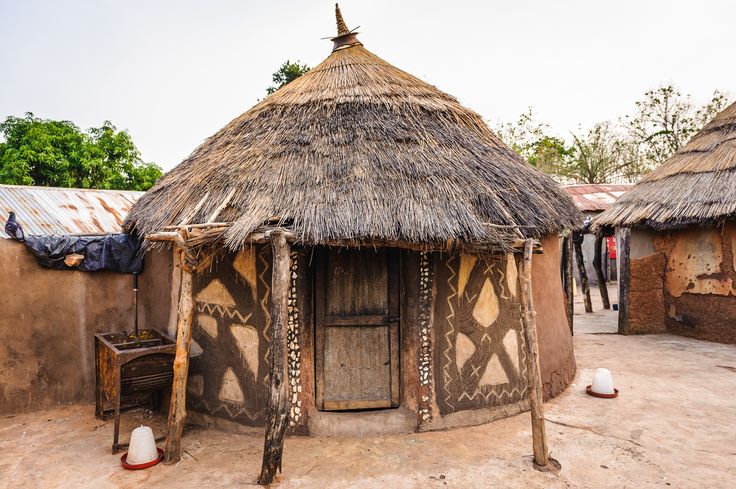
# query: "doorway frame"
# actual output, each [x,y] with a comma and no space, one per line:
[392,320]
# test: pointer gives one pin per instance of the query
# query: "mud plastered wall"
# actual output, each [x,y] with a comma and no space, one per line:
[479,357]
[700,282]
[646,291]
[228,376]
[556,357]
[49,321]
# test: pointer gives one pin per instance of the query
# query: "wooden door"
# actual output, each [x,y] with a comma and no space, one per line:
[357,329]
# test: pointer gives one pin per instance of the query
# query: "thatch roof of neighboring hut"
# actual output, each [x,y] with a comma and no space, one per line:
[358,149]
[696,185]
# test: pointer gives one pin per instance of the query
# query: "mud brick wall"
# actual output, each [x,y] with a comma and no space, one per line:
[49,319]
[686,285]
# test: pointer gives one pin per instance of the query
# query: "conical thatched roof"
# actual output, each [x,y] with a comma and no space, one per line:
[358,149]
[696,185]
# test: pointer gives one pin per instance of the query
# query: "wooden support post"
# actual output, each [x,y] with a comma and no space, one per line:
[597,265]
[175,292]
[567,281]
[534,374]
[624,251]
[178,408]
[277,414]
[577,239]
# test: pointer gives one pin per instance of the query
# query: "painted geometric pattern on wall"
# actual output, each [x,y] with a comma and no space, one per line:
[230,343]
[479,358]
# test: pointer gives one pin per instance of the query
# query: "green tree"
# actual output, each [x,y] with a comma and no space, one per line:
[531,140]
[602,155]
[665,120]
[286,73]
[58,154]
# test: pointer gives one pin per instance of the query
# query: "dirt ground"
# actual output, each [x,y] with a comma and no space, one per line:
[600,320]
[672,426]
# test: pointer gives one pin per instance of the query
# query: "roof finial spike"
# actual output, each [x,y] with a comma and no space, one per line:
[342,28]
[345,37]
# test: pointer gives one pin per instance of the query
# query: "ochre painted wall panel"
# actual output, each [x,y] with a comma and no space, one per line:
[230,337]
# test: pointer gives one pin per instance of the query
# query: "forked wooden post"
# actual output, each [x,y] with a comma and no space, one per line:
[534,375]
[277,414]
[624,276]
[567,275]
[598,266]
[178,408]
[577,239]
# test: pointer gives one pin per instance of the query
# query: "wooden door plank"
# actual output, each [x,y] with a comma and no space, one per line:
[394,309]
[356,282]
[352,404]
[357,329]
[357,363]
[358,320]
[394,360]
[320,276]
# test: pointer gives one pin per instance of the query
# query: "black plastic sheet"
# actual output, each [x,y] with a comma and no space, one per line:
[115,252]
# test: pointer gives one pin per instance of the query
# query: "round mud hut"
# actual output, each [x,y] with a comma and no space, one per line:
[380,222]
[679,240]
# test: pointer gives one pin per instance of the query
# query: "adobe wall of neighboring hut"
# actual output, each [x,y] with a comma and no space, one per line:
[700,282]
[646,294]
[47,326]
[682,282]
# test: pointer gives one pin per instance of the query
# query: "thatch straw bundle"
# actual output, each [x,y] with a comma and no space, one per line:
[358,149]
[696,185]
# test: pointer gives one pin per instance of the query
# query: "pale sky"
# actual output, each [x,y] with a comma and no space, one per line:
[173,72]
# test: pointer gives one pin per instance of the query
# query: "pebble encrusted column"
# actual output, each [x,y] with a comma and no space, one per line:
[294,353]
[425,338]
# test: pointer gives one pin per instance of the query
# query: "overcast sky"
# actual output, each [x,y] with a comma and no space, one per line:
[173,72]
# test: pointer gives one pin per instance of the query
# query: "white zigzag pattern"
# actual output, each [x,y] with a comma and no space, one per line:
[446,377]
[224,312]
[264,307]
[231,410]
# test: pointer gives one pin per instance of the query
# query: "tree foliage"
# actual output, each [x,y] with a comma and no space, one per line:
[601,155]
[662,122]
[665,120]
[53,153]
[531,139]
[286,73]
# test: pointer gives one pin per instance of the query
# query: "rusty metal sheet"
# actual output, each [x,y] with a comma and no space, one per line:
[50,210]
[596,197]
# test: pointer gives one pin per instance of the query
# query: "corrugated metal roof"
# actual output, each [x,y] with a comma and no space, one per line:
[596,197]
[50,210]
